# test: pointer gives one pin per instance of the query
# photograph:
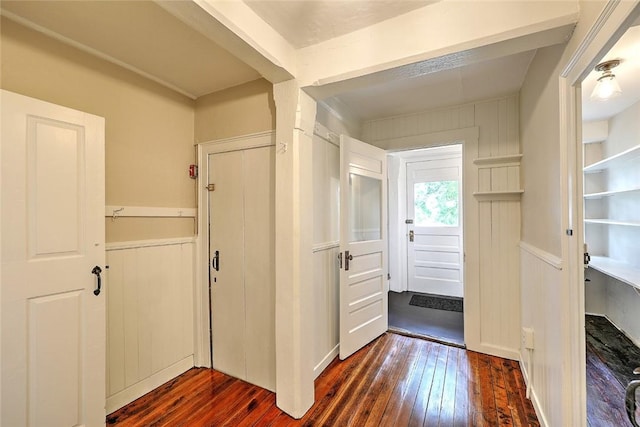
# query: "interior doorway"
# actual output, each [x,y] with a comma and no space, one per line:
[427,188]
[611,224]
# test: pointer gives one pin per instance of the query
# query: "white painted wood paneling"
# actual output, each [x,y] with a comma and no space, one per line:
[326,188]
[492,305]
[541,275]
[149,316]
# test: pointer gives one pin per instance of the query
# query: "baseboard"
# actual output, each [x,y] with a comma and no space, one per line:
[143,387]
[538,408]
[494,350]
[532,395]
[325,361]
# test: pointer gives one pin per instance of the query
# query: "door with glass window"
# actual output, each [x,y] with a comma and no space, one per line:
[434,226]
[363,244]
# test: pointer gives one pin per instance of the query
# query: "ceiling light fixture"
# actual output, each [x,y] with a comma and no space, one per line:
[607,86]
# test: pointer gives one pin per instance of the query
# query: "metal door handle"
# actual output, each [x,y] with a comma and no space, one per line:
[347,257]
[630,401]
[97,270]
[215,262]
[411,235]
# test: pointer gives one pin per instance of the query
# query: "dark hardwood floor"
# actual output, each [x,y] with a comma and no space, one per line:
[393,381]
[611,359]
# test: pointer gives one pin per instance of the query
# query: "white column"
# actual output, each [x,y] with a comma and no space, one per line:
[295,118]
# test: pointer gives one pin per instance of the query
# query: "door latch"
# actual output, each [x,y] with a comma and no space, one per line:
[411,235]
[347,257]
[97,270]
[215,261]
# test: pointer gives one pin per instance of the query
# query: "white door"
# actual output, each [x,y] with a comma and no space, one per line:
[363,244]
[434,238]
[242,227]
[53,325]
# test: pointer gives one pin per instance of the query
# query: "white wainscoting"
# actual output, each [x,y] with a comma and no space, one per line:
[149,287]
[326,227]
[326,311]
[541,276]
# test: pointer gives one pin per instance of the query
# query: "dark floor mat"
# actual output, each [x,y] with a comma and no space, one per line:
[437,302]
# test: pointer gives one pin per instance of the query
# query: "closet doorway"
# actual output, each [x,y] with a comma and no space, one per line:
[241,189]
[428,196]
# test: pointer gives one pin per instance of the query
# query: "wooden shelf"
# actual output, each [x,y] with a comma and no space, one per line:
[498,160]
[487,196]
[617,269]
[613,160]
[609,193]
[612,222]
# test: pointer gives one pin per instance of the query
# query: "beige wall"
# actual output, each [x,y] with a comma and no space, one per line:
[149,129]
[240,110]
[539,133]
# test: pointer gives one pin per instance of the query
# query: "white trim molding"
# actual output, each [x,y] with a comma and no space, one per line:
[552,260]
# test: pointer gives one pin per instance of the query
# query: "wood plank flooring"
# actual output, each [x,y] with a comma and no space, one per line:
[394,381]
[611,358]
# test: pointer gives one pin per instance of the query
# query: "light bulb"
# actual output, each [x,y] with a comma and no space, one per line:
[606,88]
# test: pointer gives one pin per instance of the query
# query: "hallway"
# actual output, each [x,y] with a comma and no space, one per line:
[444,326]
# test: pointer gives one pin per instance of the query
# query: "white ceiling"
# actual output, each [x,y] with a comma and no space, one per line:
[456,86]
[144,37]
[141,35]
[306,22]
[627,49]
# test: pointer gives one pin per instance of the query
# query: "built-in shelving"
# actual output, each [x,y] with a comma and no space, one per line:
[609,193]
[617,269]
[612,222]
[612,161]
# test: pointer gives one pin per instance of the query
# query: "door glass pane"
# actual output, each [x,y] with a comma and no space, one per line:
[366,208]
[435,203]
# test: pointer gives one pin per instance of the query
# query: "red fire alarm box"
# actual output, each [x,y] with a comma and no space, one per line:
[193,171]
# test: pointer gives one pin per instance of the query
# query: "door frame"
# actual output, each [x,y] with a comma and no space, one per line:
[402,203]
[613,20]
[468,138]
[202,349]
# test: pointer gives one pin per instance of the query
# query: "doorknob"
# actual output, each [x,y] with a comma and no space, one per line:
[97,270]
[347,257]
[215,262]
[411,235]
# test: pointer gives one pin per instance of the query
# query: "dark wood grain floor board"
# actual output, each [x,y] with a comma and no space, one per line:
[394,381]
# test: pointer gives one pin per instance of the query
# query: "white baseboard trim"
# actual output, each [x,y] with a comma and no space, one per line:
[494,350]
[533,396]
[144,386]
[325,361]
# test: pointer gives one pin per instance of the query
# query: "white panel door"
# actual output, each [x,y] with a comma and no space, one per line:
[434,239]
[242,227]
[53,323]
[363,244]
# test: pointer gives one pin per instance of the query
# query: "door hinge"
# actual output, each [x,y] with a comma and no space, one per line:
[569,232]
[211,187]
[587,258]
[388,276]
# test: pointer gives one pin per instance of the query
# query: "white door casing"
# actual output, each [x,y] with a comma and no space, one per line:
[241,232]
[53,325]
[434,249]
[363,244]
